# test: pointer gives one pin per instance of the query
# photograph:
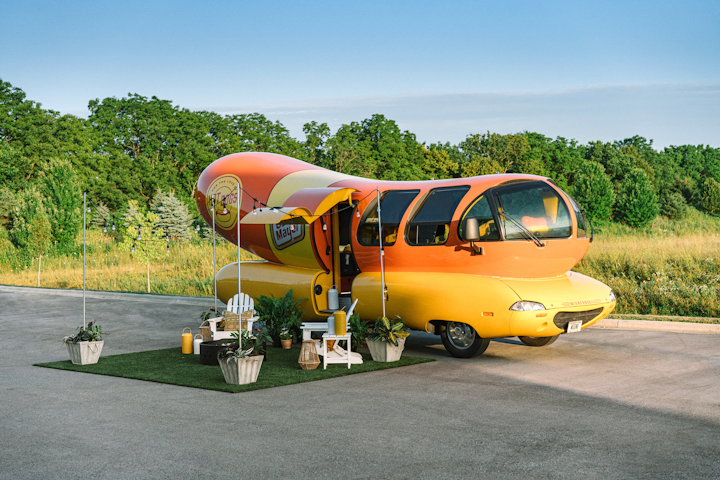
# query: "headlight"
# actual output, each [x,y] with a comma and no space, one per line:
[612,296]
[527,306]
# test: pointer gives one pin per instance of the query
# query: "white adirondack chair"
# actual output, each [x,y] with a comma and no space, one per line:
[238,304]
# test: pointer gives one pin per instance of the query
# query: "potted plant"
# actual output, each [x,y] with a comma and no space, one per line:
[241,363]
[287,337]
[360,330]
[85,346]
[278,314]
[387,340]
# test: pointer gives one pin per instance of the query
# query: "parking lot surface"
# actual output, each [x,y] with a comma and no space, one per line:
[595,404]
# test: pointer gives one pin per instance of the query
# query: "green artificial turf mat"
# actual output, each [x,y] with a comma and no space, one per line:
[280,367]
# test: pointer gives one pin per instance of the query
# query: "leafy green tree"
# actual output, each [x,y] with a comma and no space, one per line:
[253,132]
[7,204]
[636,203]
[142,237]
[316,138]
[151,144]
[173,216]
[494,153]
[102,217]
[394,154]
[12,168]
[346,153]
[674,206]
[63,201]
[28,129]
[438,163]
[31,231]
[710,202]
[559,159]
[593,189]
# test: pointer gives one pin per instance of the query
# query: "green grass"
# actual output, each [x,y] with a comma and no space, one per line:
[280,367]
[664,318]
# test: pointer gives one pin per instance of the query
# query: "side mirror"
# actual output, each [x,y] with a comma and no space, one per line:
[471,229]
[471,233]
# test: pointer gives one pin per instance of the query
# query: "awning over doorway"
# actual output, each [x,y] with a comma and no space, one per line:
[303,207]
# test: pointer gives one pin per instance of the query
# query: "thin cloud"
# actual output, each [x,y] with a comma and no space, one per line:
[670,114]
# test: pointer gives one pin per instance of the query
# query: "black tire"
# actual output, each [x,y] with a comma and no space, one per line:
[538,341]
[461,340]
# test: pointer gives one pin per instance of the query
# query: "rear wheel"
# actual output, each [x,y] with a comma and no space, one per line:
[538,341]
[461,340]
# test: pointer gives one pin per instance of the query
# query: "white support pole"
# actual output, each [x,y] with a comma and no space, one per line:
[238,220]
[214,257]
[382,252]
[84,239]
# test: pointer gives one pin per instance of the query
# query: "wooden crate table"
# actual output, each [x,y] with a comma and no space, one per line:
[346,358]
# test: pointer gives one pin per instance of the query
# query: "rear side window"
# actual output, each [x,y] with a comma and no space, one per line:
[393,204]
[431,223]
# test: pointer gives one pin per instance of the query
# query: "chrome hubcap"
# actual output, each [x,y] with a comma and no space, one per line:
[461,335]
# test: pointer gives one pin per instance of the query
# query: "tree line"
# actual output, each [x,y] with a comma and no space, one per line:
[131,148]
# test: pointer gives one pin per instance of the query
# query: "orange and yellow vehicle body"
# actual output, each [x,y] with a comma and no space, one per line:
[316,228]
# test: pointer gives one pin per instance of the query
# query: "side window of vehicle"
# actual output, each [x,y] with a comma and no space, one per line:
[393,204]
[582,224]
[480,209]
[430,225]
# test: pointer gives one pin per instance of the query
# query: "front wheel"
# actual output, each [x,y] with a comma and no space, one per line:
[461,341]
[538,341]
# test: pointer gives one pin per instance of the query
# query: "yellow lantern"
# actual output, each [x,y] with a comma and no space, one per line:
[187,341]
[340,322]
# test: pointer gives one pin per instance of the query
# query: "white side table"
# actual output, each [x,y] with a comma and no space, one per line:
[336,358]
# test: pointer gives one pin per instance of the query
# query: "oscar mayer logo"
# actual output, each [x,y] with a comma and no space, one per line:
[285,235]
[581,303]
[224,188]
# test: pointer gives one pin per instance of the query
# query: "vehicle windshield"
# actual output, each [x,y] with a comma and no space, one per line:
[537,207]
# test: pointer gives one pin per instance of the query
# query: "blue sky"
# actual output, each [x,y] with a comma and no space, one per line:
[586,70]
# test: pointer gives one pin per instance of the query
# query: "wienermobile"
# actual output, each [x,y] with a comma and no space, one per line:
[469,259]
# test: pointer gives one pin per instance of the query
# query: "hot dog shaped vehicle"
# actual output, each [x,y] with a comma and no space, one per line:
[470,259]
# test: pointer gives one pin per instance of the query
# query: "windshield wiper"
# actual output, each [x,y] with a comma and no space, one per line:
[524,229]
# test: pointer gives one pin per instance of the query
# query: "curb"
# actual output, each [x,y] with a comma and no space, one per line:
[133,297]
[658,326]
[605,323]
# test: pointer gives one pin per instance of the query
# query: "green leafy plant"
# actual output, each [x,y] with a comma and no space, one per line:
[360,330]
[249,345]
[278,314]
[287,334]
[389,330]
[210,313]
[91,333]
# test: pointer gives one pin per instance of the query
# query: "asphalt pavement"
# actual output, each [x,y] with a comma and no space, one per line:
[602,403]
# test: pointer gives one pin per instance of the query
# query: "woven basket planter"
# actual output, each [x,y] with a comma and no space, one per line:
[240,371]
[384,351]
[85,353]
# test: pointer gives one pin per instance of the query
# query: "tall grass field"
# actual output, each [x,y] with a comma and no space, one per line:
[669,268]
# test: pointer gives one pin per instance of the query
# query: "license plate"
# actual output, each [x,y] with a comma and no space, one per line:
[574,326]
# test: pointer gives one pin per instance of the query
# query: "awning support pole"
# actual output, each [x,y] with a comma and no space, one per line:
[214,256]
[382,252]
[238,212]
